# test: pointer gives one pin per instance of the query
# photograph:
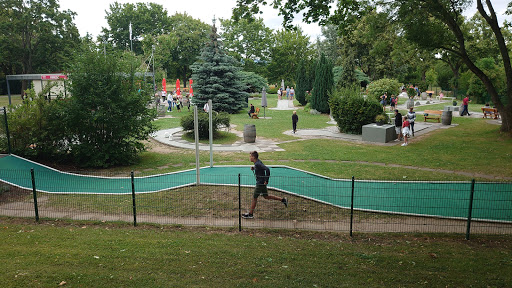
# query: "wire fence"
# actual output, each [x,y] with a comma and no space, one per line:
[315,202]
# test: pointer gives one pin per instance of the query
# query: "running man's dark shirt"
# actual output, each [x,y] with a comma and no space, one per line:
[262,172]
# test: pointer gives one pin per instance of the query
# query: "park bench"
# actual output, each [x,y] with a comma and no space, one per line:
[433,114]
[255,114]
[492,112]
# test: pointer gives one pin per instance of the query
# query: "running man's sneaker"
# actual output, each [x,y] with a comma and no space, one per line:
[247,216]
[285,202]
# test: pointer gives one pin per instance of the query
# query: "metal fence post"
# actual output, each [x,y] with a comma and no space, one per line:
[34,193]
[133,201]
[470,209]
[239,206]
[7,130]
[352,207]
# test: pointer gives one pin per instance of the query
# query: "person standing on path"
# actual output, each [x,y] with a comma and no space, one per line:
[406,131]
[383,101]
[411,116]
[292,93]
[465,103]
[287,92]
[295,119]
[398,125]
[262,174]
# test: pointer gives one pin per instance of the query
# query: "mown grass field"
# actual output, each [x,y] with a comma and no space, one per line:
[87,254]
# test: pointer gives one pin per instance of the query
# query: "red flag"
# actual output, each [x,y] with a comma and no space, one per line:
[178,91]
[191,92]
[164,85]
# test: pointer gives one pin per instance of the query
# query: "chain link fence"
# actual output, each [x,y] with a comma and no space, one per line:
[315,202]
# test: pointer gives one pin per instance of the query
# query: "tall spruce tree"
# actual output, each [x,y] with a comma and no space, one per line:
[217,77]
[301,83]
[324,82]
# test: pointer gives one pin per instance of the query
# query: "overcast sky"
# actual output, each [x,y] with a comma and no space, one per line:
[91,13]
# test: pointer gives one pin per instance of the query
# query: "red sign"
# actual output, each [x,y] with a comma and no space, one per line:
[54,77]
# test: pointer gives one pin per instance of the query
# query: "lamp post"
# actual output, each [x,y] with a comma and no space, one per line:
[153,56]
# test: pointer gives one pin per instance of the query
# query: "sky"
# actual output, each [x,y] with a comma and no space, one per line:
[91,13]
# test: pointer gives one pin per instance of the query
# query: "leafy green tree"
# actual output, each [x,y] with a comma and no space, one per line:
[176,51]
[330,45]
[248,41]
[431,77]
[288,48]
[107,117]
[217,77]
[301,83]
[35,37]
[379,87]
[430,24]
[148,19]
[439,24]
[324,82]
[496,74]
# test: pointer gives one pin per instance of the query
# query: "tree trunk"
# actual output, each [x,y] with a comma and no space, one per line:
[505,111]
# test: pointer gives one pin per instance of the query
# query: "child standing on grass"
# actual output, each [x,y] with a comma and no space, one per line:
[405,130]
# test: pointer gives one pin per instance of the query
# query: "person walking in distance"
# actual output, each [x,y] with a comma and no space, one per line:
[465,103]
[295,119]
[411,116]
[262,174]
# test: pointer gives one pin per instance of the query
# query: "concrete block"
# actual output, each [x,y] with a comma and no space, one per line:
[381,134]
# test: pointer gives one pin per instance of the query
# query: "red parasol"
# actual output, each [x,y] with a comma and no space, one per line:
[164,85]
[191,92]
[178,91]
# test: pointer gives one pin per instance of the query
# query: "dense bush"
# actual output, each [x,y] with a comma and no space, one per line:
[272,90]
[379,87]
[108,116]
[218,120]
[35,128]
[254,82]
[352,111]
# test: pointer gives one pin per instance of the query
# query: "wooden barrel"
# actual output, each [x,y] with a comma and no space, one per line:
[446,118]
[249,133]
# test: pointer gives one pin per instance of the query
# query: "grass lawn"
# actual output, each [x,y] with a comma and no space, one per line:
[4,100]
[468,147]
[85,254]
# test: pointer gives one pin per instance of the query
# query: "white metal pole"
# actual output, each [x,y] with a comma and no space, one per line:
[211,131]
[196,132]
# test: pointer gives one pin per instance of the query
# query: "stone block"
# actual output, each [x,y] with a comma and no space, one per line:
[381,134]
[451,108]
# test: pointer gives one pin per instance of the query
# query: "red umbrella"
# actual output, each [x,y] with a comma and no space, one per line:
[191,92]
[178,91]
[164,85]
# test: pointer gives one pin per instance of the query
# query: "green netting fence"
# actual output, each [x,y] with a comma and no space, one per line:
[224,192]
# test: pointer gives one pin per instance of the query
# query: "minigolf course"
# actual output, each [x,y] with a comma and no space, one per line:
[491,201]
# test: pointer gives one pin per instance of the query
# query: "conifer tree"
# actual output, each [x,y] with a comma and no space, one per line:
[217,77]
[302,83]
[324,81]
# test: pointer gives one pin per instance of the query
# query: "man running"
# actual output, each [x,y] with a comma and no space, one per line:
[262,174]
